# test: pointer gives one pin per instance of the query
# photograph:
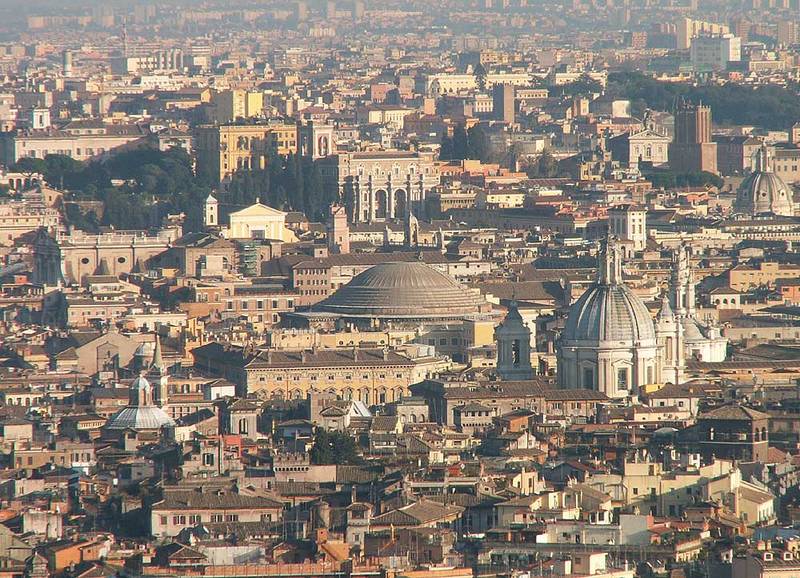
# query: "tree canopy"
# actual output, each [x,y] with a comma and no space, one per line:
[466,144]
[772,107]
[141,185]
[333,447]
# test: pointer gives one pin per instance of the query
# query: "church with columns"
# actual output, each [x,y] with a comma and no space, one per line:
[611,343]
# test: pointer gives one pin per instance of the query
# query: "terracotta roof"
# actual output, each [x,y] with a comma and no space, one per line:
[735,413]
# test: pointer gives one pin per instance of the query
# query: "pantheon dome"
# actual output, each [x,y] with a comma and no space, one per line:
[609,342]
[763,192]
[404,290]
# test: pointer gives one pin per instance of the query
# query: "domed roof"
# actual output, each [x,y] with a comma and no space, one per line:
[139,417]
[609,313]
[140,413]
[405,289]
[764,192]
[608,310]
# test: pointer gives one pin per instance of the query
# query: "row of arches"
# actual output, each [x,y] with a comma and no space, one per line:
[365,395]
[22,183]
[382,208]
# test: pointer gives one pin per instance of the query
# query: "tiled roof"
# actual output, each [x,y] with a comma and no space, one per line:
[182,500]
[418,513]
[735,413]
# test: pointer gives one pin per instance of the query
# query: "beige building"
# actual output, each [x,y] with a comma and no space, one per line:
[222,150]
[367,375]
[185,509]
[381,186]
[391,116]
[81,140]
[645,146]
[259,222]
[230,105]
[688,29]
[20,217]
[744,277]
[76,254]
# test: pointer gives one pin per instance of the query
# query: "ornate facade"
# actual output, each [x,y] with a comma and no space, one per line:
[71,256]
[612,344]
[381,186]
[609,343]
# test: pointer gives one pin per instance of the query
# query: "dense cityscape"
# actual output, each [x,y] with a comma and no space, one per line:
[400,289]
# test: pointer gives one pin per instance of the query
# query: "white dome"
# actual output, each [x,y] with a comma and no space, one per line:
[763,192]
[609,343]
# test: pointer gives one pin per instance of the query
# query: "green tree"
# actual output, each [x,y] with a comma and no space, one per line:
[29,166]
[334,448]
[446,150]
[460,143]
[478,144]
[480,76]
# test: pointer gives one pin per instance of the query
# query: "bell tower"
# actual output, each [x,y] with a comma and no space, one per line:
[211,212]
[513,337]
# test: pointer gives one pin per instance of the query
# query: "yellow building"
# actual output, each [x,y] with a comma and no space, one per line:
[231,105]
[224,149]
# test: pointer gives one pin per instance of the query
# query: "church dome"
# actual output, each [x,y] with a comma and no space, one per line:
[609,312]
[764,192]
[147,417]
[403,289]
[140,412]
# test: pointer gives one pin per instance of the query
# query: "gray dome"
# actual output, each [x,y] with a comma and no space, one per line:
[144,417]
[405,289]
[609,312]
[140,413]
[764,192]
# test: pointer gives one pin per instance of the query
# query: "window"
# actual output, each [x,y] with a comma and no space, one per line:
[515,352]
[588,378]
[622,378]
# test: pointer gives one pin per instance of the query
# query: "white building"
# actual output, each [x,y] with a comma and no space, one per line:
[715,52]
[629,223]
[258,222]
